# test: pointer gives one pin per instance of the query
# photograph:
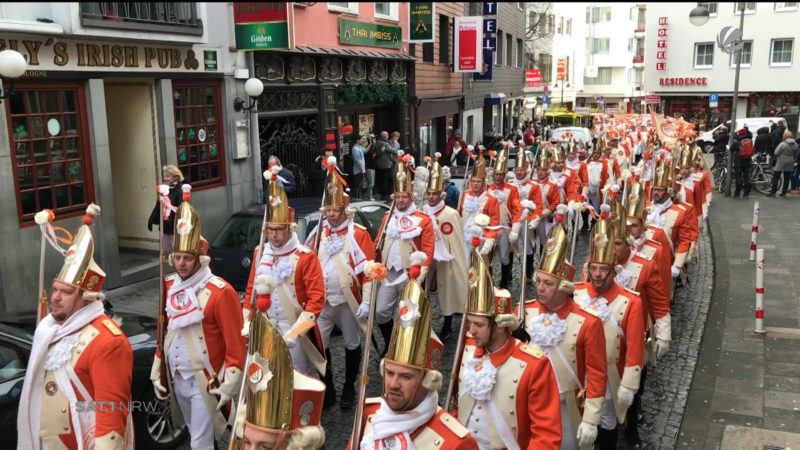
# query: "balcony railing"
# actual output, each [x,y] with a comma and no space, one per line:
[177,17]
[638,59]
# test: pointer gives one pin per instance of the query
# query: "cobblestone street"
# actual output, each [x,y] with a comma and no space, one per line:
[667,384]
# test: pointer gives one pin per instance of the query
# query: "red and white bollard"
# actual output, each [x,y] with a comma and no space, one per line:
[760,293]
[753,240]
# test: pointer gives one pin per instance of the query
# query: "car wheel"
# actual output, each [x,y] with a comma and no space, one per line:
[154,426]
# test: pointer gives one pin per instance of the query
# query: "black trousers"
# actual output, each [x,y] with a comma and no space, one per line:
[742,172]
[355,184]
[383,181]
[786,181]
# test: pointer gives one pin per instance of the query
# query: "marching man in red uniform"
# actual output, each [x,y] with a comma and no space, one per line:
[507,392]
[79,355]
[623,324]
[600,172]
[290,273]
[408,249]
[569,185]
[407,415]
[345,247]
[550,195]
[508,201]
[528,190]
[203,344]
[575,164]
[475,201]
[573,339]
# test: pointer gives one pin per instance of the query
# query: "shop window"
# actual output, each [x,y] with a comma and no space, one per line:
[703,55]
[711,7]
[444,40]
[747,55]
[198,132]
[171,17]
[781,52]
[50,149]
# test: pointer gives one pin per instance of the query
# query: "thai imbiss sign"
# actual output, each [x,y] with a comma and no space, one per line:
[48,53]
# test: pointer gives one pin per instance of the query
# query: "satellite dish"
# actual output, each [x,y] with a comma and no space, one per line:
[730,40]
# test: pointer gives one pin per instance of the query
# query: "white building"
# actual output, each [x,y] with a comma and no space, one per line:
[614,48]
[684,64]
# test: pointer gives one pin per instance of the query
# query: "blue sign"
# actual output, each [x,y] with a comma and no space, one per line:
[490,42]
[489,26]
[489,8]
[713,98]
[599,98]
[488,63]
[545,98]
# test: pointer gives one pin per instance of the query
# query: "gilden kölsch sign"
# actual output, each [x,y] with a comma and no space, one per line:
[467,43]
[261,25]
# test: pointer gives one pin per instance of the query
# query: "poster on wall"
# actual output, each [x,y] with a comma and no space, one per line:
[467,44]
[421,26]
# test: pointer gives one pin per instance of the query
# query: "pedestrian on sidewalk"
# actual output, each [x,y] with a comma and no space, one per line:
[387,158]
[741,166]
[172,177]
[785,155]
[358,167]
[370,157]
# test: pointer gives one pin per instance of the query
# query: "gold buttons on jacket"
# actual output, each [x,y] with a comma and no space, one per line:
[63,410]
[66,427]
[51,388]
[436,442]
[515,379]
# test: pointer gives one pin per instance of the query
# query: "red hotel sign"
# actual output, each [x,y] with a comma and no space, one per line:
[661,43]
[683,81]
[533,78]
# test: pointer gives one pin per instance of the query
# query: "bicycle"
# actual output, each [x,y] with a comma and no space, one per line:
[719,172]
[761,174]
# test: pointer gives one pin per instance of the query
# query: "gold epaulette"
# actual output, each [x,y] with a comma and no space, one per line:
[452,424]
[112,327]
[530,350]
[218,282]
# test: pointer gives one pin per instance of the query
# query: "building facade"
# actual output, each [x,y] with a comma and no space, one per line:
[347,75]
[438,92]
[498,103]
[683,63]
[111,95]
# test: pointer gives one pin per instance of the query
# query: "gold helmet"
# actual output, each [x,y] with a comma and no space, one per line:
[479,168]
[662,173]
[80,269]
[523,159]
[435,175]
[483,299]
[635,201]
[501,160]
[403,177]
[278,399]
[543,159]
[686,156]
[278,210]
[413,342]
[554,255]
[560,152]
[187,227]
[601,247]
[335,186]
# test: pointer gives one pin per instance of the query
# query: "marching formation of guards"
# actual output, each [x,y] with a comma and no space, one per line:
[563,368]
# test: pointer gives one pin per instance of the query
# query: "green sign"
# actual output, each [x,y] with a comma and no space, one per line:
[420,22]
[369,34]
[261,25]
[210,59]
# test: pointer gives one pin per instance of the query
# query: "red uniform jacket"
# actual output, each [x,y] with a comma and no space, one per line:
[648,282]
[364,242]
[491,208]
[536,406]
[534,194]
[425,242]
[222,326]
[572,185]
[442,431]
[549,195]
[308,282]
[511,203]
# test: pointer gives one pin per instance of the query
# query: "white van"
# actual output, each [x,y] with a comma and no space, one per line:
[706,140]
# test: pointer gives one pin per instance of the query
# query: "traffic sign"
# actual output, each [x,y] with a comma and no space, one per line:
[713,97]
[545,98]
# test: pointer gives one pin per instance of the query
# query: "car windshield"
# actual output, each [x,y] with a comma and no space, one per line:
[239,233]
[577,132]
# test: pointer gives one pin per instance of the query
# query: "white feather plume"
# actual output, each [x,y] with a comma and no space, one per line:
[417,258]
[265,284]
[186,188]
[331,161]
[42,217]
[93,210]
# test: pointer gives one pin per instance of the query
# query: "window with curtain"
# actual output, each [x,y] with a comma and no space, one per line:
[603,76]
[703,55]
[781,52]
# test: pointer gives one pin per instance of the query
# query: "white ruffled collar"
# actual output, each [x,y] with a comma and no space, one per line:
[547,329]
[479,377]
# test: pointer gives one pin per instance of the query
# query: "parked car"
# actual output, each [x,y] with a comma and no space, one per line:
[706,140]
[154,428]
[583,135]
[231,251]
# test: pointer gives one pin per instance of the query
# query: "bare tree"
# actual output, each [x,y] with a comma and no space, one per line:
[539,31]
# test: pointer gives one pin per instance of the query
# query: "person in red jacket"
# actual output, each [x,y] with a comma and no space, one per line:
[477,202]
[407,415]
[621,312]
[203,337]
[78,379]
[508,201]
[288,273]
[407,251]
[344,249]
[573,338]
[549,193]
[507,391]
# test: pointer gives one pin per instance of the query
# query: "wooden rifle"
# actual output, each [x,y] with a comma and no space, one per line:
[355,435]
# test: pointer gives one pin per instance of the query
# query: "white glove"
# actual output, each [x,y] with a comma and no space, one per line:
[705,216]
[675,271]
[662,347]
[290,343]
[161,391]
[223,397]
[514,234]
[625,395]
[363,310]
[486,247]
[587,433]
[246,329]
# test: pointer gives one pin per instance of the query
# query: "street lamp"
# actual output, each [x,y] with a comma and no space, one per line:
[253,87]
[699,16]
[12,65]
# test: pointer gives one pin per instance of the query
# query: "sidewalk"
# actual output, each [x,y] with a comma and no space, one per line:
[746,390]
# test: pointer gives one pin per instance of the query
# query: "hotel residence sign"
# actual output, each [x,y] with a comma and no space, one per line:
[56,54]
[352,32]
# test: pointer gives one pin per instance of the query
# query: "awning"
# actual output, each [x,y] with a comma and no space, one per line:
[495,99]
[430,107]
[351,53]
